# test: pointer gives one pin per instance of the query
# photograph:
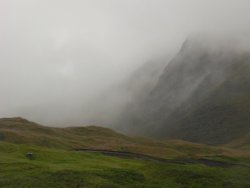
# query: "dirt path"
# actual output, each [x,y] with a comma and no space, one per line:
[123,154]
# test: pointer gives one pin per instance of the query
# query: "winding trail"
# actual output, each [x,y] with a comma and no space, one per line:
[124,154]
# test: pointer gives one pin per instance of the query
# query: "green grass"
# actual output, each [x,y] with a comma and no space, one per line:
[61,168]
[56,165]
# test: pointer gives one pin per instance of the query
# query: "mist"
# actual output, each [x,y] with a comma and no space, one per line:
[66,63]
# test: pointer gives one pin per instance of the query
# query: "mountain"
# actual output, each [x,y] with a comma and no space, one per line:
[203,95]
[111,105]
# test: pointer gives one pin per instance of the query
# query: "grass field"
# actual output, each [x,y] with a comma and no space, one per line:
[61,168]
[56,164]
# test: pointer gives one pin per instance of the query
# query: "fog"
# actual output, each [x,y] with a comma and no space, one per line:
[60,60]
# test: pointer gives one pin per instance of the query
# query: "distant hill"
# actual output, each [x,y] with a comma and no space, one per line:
[203,95]
[22,131]
[240,143]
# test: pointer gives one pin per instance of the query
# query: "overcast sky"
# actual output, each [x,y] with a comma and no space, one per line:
[57,55]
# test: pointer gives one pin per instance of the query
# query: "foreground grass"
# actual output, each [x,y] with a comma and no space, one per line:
[60,168]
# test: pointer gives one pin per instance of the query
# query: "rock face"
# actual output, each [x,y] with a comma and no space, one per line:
[203,95]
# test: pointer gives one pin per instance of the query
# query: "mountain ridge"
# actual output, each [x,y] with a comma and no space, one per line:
[194,83]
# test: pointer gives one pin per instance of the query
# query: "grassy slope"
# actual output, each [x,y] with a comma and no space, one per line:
[240,143]
[60,168]
[21,131]
[56,165]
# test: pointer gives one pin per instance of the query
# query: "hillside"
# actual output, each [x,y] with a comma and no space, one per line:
[22,131]
[224,115]
[203,95]
[60,160]
[240,143]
